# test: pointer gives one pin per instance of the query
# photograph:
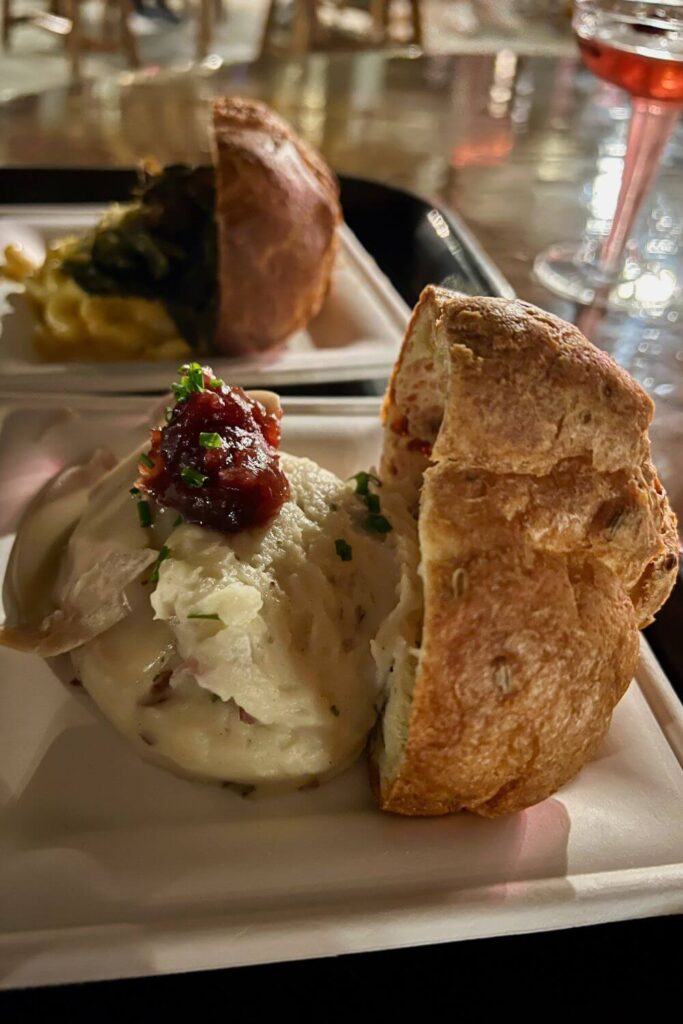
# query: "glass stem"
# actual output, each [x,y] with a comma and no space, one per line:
[651,125]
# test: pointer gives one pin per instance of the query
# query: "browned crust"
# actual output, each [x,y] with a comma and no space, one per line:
[541,496]
[277,210]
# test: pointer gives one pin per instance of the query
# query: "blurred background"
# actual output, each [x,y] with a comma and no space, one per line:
[43,41]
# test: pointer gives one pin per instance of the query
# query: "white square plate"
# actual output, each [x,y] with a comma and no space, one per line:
[356,335]
[110,867]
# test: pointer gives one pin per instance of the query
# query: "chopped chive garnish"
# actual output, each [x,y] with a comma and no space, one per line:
[192,477]
[168,413]
[146,461]
[161,557]
[378,524]
[210,440]
[191,381]
[204,615]
[363,481]
[335,710]
[215,382]
[343,549]
[178,521]
[134,490]
[145,514]
[195,377]
[372,501]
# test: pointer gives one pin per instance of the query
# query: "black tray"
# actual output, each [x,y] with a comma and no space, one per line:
[414,243]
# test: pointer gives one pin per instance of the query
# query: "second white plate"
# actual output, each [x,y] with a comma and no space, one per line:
[356,335]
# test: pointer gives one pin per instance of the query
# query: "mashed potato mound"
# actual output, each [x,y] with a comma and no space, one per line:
[251,663]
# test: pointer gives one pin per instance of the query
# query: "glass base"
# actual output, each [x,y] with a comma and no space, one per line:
[562,271]
[636,317]
[647,289]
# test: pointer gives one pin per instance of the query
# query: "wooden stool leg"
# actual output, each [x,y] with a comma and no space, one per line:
[205,28]
[416,11]
[106,22]
[128,41]
[304,29]
[379,12]
[73,40]
[268,28]
[6,22]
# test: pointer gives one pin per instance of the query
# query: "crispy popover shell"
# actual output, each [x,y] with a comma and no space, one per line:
[277,211]
[546,542]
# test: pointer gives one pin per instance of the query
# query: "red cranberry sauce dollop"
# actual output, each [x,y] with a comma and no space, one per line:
[216,461]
